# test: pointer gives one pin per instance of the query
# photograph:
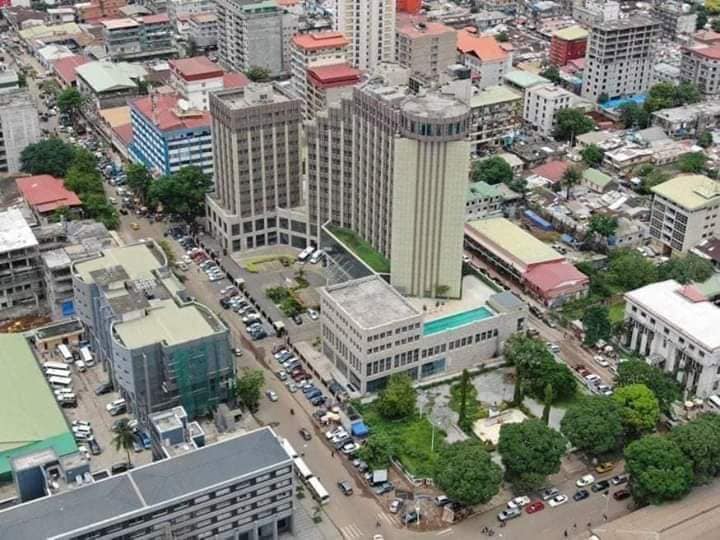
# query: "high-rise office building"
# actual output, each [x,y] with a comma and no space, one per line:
[256,140]
[620,57]
[392,167]
[370,27]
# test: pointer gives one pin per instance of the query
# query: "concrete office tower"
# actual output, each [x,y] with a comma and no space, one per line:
[425,48]
[256,139]
[620,57]
[370,27]
[250,35]
[392,167]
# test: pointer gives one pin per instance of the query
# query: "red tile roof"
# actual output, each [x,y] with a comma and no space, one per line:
[320,40]
[414,26]
[333,76]
[65,67]
[552,170]
[155,19]
[712,52]
[196,68]
[124,132]
[555,276]
[167,116]
[46,193]
[486,48]
[235,80]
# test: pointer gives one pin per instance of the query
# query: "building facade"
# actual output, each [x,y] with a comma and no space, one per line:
[496,115]
[257,168]
[327,85]
[620,58]
[676,19]
[568,44]
[425,48]
[542,103]
[19,126]
[162,349]
[203,30]
[140,38]
[369,25]
[699,65]
[109,84]
[486,58]
[183,8]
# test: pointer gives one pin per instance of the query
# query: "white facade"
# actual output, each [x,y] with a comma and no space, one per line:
[542,103]
[177,8]
[370,27]
[489,72]
[19,126]
[677,333]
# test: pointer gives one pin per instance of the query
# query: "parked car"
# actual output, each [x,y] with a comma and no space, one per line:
[145,440]
[104,388]
[305,434]
[619,479]
[271,395]
[535,507]
[621,494]
[121,467]
[549,493]
[557,500]
[345,487]
[349,448]
[410,517]
[281,374]
[382,489]
[519,502]
[508,514]
[396,505]
[581,495]
[602,468]
[318,400]
[585,480]
[602,485]
[441,500]
[314,315]
[95,449]
[297,319]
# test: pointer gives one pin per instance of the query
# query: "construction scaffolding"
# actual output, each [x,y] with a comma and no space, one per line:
[193,380]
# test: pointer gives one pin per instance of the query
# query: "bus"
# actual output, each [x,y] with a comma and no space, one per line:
[305,253]
[288,448]
[57,373]
[318,491]
[301,468]
[66,354]
[54,365]
[86,356]
[60,382]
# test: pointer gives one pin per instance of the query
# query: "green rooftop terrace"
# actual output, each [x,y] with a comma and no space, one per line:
[362,249]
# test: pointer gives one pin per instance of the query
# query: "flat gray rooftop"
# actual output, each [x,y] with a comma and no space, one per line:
[371,302]
[155,483]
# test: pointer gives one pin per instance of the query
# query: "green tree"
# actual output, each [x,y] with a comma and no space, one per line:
[596,321]
[692,162]
[182,193]
[592,155]
[686,93]
[258,74]
[699,441]
[49,156]
[658,470]
[571,123]
[530,452]
[593,425]
[502,37]
[639,408]
[139,180]
[629,270]
[634,116]
[686,269]
[521,352]
[701,17]
[715,25]
[603,225]
[377,451]
[666,389]
[651,178]
[570,178]
[466,473]
[123,439]
[97,207]
[70,102]
[705,139]
[168,251]
[464,394]
[712,6]
[248,388]
[660,96]
[397,400]
[493,170]
[551,73]
[547,404]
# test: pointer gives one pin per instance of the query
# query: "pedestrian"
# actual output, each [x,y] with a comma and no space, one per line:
[574,525]
[332,453]
[605,517]
[565,534]
[589,524]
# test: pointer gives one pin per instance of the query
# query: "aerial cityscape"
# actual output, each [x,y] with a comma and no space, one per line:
[360,269]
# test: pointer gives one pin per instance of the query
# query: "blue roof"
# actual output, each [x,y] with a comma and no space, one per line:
[619,102]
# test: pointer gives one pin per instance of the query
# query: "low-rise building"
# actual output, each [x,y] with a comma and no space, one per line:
[568,44]
[482,200]
[194,79]
[203,29]
[109,84]
[94,10]
[677,19]
[177,9]
[485,56]
[596,180]
[64,68]
[699,66]
[370,331]
[688,121]
[685,212]
[521,81]
[541,106]
[495,117]
[45,194]
[425,48]
[675,327]
[19,127]
[141,38]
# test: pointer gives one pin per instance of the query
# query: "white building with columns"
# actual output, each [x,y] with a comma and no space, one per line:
[678,330]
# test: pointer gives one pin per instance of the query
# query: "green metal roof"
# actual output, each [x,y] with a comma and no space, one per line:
[108,76]
[493,95]
[481,190]
[690,191]
[596,177]
[710,287]
[524,79]
[572,33]
[31,417]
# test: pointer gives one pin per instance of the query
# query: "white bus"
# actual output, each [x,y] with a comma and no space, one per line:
[57,373]
[288,448]
[60,382]
[302,470]
[319,492]
[66,354]
[86,356]
[54,365]
[305,253]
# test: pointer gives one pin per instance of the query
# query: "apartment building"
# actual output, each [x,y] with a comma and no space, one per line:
[250,34]
[140,38]
[485,57]
[194,79]
[699,65]
[19,127]
[239,488]
[496,114]
[620,57]
[424,48]
[369,331]
[184,8]
[256,132]
[21,282]
[677,20]
[542,103]
[314,50]
[203,29]
[162,348]
[675,327]
[369,25]
[685,212]
[392,167]
[483,200]
[568,44]
[327,85]
[688,120]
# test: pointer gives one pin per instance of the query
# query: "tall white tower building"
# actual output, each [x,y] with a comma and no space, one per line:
[370,27]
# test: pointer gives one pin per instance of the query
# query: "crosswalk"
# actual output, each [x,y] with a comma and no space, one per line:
[352,530]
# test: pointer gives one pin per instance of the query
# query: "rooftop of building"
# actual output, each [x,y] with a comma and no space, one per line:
[481,190]
[327,76]
[554,275]
[32,419]
[550,91]
[709,249]
[689,112]
[104,76]
[56,329]
[252,95]
[572,33]
[171,113]
[707,36]
[486,48]
[196,68]
[524,79]
[553,170]
[138,261]
[637,21]
[512,239]
[42,30]
[15,233]
[320,40]
[65,67]
[262,6]
[678,306]
[371,302]
[690,191]
[362,249]
[119,24]
[144,487]
[712,52]
[433,105]
[418,27]
[157,18]
[46,193]
[203,17]
[597,178]
[493,95]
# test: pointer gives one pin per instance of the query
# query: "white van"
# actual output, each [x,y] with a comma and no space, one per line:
[66,354]
[305,253]
[60,382]
[114,407]
[87,357]
[317,256]
[57,372]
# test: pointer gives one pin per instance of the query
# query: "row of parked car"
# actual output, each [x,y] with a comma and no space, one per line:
[593,382]
[141,440]
[84,436]
[231,299]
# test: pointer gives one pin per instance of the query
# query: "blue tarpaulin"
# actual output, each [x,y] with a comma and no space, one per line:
[359,429]
[68,308]
[537,221]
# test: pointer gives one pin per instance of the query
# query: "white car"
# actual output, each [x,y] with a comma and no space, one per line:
[600,361]
[519,502]
[333,432]
[349,448]
[313,314]
[585,480]
[83,423]
[272,396]
[557,500]
[216,277]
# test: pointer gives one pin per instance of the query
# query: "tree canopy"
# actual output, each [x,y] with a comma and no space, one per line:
[593,425]
[248,388]
[658,469]
[634,116]
[705,139]
[377,450]
[530,452]
[571,123]
[397,400]
[639,408]
[139,179]
[551,73]
[493,170]
[592,155]
[629,270]
[182,193]
[70,101]
[661,384]
[596,322]
[686,269]
[603,225]
[466,473]
[699,441]
[570,178]
[258,74]
[49,156]
[692,162]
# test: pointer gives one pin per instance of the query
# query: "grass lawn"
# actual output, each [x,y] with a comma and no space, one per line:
[617,312]
[412,439]
[362,249]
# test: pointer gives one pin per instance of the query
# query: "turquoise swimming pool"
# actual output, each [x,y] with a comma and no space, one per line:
[456,321]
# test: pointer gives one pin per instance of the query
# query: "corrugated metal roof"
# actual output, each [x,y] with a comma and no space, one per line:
[106,76]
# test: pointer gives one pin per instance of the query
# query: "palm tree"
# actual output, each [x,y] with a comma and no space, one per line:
[571,177]
[123,440]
